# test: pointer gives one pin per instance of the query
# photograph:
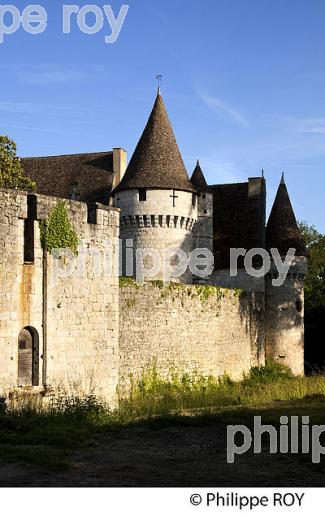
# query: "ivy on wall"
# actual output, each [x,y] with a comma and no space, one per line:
[57,232]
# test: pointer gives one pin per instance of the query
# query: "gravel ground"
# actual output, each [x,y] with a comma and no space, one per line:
[167,457]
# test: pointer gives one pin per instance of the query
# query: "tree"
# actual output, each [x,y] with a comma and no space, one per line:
[11,172]
[315,280]
[314,297]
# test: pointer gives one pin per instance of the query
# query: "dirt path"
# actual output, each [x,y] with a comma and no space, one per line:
[174,456]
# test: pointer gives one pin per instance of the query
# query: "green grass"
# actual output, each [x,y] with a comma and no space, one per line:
[183,394]
[45,436]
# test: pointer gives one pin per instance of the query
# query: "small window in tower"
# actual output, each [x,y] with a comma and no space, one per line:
[142,194]
[205,212]
[194,200]
[203,196]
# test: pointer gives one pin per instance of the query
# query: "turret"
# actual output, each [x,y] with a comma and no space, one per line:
[157,201]
[285,304]
[203,228]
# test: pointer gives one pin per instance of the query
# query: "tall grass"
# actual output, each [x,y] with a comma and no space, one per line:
[43,434]
[154,396]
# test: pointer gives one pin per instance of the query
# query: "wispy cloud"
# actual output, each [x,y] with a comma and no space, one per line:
[293,124]
[39,130]
[25,108]
[309,125]
[51,77]
[222,108]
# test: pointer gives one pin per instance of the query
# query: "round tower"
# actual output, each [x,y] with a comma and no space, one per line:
[203,228]
[158,204]
[284,304]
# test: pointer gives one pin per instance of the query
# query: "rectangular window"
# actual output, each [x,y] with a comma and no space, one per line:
[193,200]
[142,194]
[29,241]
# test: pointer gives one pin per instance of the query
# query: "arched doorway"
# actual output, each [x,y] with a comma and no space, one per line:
[28,357]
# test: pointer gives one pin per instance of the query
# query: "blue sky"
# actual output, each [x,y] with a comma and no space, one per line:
[243,82]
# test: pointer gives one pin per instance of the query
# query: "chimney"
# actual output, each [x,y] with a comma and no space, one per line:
[119,165]
[256,186]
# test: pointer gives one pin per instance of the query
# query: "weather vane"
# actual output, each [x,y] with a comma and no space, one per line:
[159,79]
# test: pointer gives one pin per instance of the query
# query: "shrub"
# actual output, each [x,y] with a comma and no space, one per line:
[271,372]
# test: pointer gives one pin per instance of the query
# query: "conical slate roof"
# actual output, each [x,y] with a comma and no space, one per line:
[282,231]
[156,162]
[198,179]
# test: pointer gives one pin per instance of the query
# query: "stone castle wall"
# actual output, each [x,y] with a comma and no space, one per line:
[92,334]
[188,328]
[242,280]
[74,318]
[18,285]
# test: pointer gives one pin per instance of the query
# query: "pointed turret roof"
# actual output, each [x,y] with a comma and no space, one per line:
[282,231]
[198,179]
[156,162]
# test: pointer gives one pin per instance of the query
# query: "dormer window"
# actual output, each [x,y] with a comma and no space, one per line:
[142,194]
[74,191]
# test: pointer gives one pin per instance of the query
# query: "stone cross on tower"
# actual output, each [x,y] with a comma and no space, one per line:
[174,197]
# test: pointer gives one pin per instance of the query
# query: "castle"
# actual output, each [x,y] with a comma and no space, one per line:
[93,332]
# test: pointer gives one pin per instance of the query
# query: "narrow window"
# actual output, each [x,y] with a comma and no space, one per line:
[142,194]
[193,200]
[299,305]
[29,241]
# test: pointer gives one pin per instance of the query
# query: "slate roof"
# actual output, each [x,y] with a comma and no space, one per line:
[238,219]
[198,179]
[156,162]
[87,177]
[282,231]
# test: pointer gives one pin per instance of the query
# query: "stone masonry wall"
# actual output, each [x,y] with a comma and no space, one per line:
[188,328]
[75,317]
[20,286]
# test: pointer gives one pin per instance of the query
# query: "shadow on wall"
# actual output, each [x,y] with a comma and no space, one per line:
[314,340]
[276,321]
[284,320]
[252,314]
